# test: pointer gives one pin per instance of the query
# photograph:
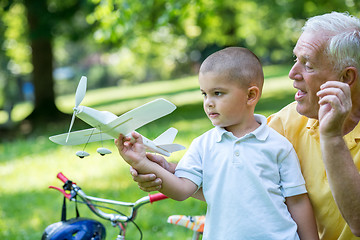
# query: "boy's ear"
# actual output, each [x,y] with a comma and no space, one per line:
[253,95]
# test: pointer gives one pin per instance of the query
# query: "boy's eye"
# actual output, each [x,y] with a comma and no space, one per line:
[218,93]
[204,94]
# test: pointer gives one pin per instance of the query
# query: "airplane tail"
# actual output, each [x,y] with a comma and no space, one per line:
[166,139]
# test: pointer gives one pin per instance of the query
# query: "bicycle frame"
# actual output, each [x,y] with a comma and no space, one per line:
[117,219]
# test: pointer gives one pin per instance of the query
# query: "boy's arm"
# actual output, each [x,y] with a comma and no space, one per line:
[133,152]
[301,211]
[172,186]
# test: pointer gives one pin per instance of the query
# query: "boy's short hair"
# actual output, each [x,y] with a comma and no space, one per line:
[240,64]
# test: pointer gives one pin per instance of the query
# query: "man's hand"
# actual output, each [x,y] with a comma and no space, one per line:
[342,174]
[149,182]
[335,105]
[146,182]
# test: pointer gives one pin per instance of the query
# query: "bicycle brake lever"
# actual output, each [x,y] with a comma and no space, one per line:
[67,195]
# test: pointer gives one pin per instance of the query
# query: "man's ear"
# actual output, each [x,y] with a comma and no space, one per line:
[253,95]
[349,75]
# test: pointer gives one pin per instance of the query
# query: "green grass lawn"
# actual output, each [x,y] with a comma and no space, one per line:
[29,166]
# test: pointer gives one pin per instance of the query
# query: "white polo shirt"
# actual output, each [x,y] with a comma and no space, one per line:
[245,181]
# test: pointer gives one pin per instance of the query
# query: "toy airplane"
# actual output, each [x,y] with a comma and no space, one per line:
[109,126]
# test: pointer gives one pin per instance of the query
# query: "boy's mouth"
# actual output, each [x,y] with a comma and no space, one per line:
[213,115]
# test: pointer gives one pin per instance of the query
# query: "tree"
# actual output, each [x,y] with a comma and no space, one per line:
[44,21]
[270,28]
[40,38]
[163,37]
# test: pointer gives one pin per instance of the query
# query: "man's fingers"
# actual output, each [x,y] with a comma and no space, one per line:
[146,182]
[133,172]
[149,186]
[151,189]
[142,178]
[339,89]
[157,159]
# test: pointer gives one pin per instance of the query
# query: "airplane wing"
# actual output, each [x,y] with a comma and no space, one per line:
[124,124]
[138,117]
[81,137]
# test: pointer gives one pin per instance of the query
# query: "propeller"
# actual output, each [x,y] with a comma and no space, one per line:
[79,96]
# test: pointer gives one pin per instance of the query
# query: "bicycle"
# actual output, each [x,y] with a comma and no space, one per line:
[79,227]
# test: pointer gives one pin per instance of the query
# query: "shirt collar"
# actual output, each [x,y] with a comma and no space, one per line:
[312,124]
[261,133]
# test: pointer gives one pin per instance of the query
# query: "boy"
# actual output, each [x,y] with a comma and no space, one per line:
[246,170]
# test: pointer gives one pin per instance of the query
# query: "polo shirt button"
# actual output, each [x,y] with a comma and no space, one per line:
[237,153]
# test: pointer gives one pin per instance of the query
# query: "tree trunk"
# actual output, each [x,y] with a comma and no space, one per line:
[39,21]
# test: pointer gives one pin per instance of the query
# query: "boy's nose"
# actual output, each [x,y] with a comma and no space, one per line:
[208,103]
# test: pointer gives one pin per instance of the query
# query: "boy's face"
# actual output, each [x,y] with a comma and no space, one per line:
[225,101]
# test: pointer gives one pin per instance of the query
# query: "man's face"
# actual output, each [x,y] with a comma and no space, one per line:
[312,68]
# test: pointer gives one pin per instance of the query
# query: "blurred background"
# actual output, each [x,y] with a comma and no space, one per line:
[132,51]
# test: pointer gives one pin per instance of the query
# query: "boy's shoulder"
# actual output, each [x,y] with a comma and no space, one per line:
[209,134]
[276,136]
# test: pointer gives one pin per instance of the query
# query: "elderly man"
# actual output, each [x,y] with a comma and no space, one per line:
[323,123]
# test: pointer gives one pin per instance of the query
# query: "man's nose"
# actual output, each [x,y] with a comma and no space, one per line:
[294,73]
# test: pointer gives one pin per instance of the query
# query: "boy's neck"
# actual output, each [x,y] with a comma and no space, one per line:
[243,129]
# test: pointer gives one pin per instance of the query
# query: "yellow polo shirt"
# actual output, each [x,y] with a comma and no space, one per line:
[303,133]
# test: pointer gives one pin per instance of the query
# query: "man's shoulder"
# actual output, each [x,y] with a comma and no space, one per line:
[287,111]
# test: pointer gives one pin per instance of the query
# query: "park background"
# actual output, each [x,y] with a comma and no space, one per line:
[132,52]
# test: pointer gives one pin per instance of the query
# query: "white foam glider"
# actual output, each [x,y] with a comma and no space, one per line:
[109,126]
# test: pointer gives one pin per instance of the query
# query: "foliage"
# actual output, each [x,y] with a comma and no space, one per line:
[175,34]
[30,165]
[127,42]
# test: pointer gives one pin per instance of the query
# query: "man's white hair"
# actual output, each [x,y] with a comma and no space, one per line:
[343,30]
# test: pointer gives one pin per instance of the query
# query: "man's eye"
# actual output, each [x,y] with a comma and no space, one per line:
[308,67]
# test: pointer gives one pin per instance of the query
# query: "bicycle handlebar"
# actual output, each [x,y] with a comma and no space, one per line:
[156,197]
[88,200]
[62,177]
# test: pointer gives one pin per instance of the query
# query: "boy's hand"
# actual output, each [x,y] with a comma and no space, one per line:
[132,150]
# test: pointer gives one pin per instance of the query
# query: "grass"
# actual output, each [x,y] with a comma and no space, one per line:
[29,166]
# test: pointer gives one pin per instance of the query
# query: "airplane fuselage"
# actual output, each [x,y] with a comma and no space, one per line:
[101,120]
